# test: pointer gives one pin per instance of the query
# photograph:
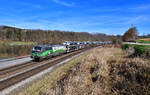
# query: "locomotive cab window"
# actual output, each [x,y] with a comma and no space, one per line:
[37,48]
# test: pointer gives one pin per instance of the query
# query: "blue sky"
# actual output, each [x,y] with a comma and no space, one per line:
[93,16]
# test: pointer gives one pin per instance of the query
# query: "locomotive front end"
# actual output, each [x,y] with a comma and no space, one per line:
[36,53]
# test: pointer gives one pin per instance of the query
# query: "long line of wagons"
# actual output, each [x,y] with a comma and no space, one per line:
[40,52]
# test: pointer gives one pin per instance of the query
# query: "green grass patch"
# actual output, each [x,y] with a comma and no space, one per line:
[143,41]
[22,43]
[17,43]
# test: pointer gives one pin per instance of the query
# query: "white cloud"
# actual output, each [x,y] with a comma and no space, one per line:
[64,3]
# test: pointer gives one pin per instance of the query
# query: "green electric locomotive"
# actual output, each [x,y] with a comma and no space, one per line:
[40,52]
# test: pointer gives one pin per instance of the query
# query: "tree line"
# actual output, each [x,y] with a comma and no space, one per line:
[49,36]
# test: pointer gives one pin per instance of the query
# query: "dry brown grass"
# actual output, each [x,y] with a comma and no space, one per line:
[105,72]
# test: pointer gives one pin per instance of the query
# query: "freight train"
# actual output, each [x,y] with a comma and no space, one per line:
[40,52]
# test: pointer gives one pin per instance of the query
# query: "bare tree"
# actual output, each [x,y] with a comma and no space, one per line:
[130,34]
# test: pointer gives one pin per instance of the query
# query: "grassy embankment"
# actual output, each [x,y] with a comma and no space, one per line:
[102,71]
[50,80]
[146,40]
[16,43]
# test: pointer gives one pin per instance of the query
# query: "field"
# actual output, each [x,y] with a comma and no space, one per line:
[22,43]
[145,40]
[102,71]
[16,43]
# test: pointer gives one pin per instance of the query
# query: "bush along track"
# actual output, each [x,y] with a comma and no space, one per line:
[102,71]
[137,50]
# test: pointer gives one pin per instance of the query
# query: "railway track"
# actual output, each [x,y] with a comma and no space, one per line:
[12,75]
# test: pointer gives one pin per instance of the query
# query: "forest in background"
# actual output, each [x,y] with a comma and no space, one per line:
[49,36]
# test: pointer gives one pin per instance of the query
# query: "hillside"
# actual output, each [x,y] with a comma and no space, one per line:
[48,36]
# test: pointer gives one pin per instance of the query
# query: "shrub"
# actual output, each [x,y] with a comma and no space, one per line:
[116,41]
[137,50]
[141,50]
[126,46]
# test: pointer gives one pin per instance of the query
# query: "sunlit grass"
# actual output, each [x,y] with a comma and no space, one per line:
[22,43]
[146,40]
[17,43]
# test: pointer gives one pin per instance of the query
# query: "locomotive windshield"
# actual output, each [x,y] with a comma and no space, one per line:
[37,48]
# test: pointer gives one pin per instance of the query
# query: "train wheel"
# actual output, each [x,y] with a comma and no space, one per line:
[37,59]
